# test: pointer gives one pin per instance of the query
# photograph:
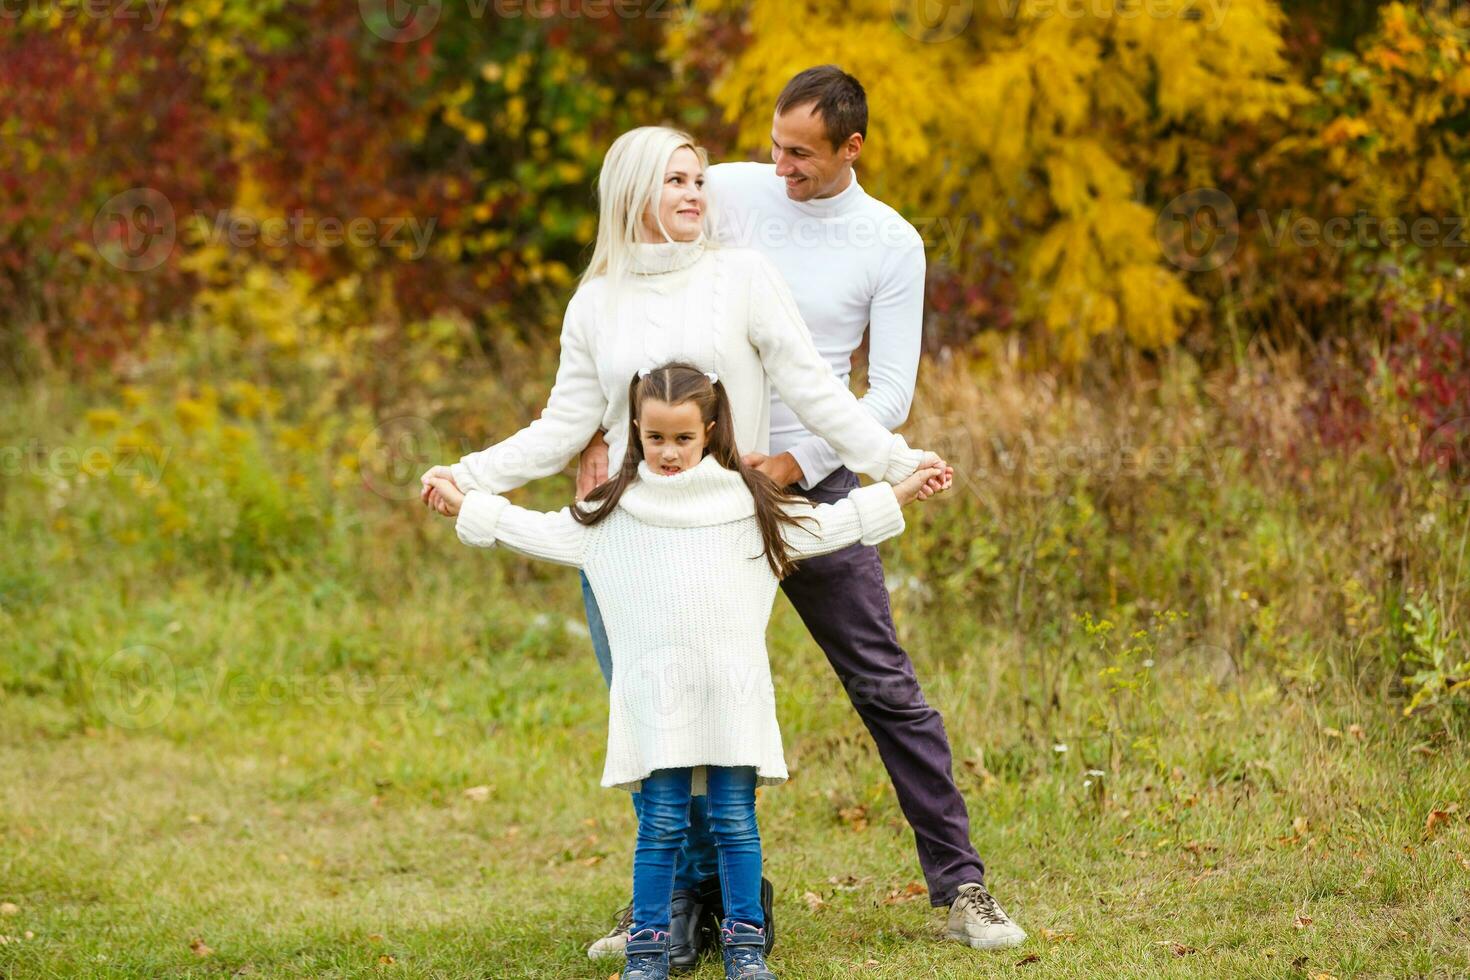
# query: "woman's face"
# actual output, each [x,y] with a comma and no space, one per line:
[673,436]
[680,203]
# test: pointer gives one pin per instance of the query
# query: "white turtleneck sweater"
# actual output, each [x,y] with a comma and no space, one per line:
[726,310]
[685,593]
[853,264]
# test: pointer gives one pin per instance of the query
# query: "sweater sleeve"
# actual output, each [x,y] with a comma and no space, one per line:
[571,417]
[868,514]
[806,383]
[485,518]
[895,336]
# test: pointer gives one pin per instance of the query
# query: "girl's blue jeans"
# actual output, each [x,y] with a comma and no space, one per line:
[696,860]
[663,822]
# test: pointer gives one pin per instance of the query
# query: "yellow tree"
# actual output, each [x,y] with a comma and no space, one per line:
[1036,129]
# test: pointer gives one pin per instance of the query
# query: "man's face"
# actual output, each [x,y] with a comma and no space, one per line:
[803,156]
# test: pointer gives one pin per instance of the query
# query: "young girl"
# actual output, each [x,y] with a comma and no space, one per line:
[684,547]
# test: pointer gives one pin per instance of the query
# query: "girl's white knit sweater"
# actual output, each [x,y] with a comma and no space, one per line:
[685,593]
[727,310]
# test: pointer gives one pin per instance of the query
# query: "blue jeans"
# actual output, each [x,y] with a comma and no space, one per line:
[697,860]
[662,824]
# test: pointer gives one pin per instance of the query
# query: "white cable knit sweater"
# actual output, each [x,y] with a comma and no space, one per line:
[726,310]
[685,593]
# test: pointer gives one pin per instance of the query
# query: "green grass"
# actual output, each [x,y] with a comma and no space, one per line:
[296,800]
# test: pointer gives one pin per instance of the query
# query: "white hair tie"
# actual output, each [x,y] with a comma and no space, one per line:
[645,372]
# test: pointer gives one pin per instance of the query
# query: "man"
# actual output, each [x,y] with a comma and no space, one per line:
[853,264]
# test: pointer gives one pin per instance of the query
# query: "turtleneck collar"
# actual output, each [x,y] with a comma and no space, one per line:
[828,207]
[702,495]
[652,259]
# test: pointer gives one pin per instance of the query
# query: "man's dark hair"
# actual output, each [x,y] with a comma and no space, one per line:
[839,99]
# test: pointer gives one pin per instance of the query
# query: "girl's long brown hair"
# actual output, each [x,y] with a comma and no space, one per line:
[674,384]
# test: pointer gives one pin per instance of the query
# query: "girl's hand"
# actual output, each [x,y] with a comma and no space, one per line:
[443,495]
[914,487]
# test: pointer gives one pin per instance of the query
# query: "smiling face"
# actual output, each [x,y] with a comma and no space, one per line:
[680,203]
[806,159]
[673,436]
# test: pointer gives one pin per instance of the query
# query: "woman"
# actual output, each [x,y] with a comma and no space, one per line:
[659,289]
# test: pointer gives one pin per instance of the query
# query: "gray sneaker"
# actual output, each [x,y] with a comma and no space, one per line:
[615,942]
[978,921]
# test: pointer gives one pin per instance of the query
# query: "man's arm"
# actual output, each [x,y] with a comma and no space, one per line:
[895,337]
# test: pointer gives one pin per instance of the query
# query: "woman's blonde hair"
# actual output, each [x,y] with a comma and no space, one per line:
[632,178]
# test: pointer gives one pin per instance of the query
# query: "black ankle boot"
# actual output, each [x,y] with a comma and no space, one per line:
[687,939]
[714,910]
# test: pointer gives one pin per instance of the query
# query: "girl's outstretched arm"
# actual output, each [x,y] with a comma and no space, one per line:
[486,519]
[868,514]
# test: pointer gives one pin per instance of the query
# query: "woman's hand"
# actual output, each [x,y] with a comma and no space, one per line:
[592,466]
[919,485]
[442,495]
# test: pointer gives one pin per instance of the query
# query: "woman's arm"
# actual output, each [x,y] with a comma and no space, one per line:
[806,382]
[487,518]
[573,413]
[868,514]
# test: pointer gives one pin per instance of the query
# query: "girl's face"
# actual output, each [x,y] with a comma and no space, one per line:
[681,202]
[673,436]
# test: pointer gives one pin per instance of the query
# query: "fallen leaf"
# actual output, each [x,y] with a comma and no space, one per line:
[5,940]
[1299,826]
[1029,958]
[907,893]
[1324,976]
[1302,921]
[855,817]
[375,937]
[1178,949]
[9,908]
[1300,963]
[1356,731]
[386,960]
[1332,733]
[199,948]
[1056,937]
[477,794]
[813,900]
[1437,817]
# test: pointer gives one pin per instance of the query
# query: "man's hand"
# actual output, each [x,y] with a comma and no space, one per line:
[592,467]
[434,473]
[912,488]
[782,468]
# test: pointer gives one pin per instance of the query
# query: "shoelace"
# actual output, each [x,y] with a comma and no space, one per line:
[747,957]
[984,905]
[625,920]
